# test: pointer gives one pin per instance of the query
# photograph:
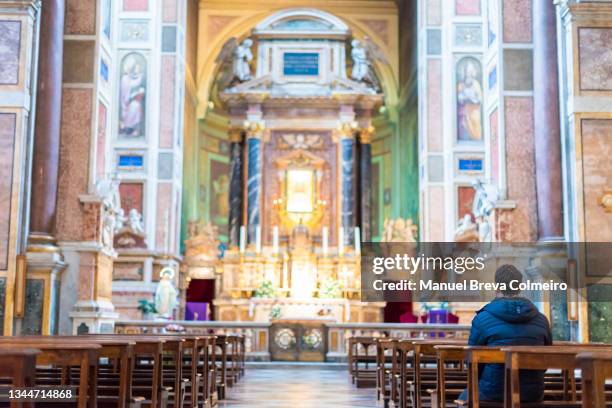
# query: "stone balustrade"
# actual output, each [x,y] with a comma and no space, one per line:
[257,335]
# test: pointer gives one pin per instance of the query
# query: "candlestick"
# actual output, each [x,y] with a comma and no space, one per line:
[340,241]
[357,240]
[258,239]
[275,240]
[242,239]
[325,240]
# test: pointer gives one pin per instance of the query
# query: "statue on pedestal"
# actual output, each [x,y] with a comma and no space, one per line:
[166,294]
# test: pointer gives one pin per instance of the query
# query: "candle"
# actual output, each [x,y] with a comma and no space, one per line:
[357,241]
[258,239]
[275,240]
[325,240]
[242,239]
[340,241]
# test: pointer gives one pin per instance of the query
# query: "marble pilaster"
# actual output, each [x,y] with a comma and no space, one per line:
[45,160]
[365,182]
[254,134]
[236,188]
[547,122]
[347,180]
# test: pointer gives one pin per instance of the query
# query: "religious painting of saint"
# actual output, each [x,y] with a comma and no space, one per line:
[300,194]
[469,100]
[132,96]
[219,197]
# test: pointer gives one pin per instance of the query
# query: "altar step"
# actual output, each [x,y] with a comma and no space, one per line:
[292,365]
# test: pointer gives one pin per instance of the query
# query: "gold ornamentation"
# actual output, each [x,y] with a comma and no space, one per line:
[606,201]
[254,129]
[366,134]
[235,134]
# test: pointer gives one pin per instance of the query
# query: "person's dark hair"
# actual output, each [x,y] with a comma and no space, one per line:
[505,274]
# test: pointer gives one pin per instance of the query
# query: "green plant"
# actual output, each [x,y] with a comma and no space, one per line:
[146,307]
[275,313]
[265,290]
[330,289]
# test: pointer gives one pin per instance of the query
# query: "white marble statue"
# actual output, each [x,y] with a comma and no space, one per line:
[361,64]
[166,294]
[135,222]
[242,57]
[107,190]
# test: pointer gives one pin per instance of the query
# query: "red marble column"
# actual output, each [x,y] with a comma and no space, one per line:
[45,161]
[547,122]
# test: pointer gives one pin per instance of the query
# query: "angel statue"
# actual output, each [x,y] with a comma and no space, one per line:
[240,56]
[363,54]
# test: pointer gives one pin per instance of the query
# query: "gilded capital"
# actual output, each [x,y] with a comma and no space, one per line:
[606,201]
[254,129]
[235,134]
[366,135]
[346,130]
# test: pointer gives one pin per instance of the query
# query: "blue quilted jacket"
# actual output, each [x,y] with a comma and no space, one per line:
[504,322]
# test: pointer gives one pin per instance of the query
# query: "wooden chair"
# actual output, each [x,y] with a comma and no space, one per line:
[596,368]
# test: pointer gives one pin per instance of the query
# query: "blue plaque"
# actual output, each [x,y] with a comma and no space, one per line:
[130,161]
[470,164]
[301,63]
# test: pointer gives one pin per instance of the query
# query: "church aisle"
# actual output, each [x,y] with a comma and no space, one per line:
[299,388]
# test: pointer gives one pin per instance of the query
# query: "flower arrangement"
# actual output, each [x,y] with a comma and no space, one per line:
[330,289]
[147,308]
[265,290]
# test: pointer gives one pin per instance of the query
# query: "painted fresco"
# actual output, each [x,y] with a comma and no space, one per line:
[469,100]
[465,199]
[10,38]
[132,96]
[219,194]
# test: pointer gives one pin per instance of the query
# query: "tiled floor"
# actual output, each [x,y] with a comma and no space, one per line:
[298,388]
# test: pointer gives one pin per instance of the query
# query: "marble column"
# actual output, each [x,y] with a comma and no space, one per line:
[45,161]
[254,134]
[547,122]
[235,193]
[365,182]
[347,180]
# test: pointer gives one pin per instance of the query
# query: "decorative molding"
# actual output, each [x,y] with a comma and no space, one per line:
[606,201]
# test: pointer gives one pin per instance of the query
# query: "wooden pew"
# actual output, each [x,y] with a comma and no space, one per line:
[449,354]
[387,367]
[19,365]
[541,358]
[596,368]
[63,353]
[362,377]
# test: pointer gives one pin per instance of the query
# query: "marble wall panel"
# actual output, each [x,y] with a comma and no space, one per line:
[169,39]
[134,30]
[167,100]
[87,273]
[597,178]
[465,200]
[74,161]
[131,196]
[80,17]
[517,24]
[434,41]
[520,163]
[435,169]
[7,147]
[10,45]
[595,59]
[2,300]
[468,35]
[135,5]
[494,132]
[169,11]
[165,166]
[164,207]
[128,271]
[436,214]
[434,12]
[33,313]
[434,105]
[79,61]
[518,70]
[467,7]
[101,141]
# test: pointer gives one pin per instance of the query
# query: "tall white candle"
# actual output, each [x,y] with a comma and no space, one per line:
[258,239]
[357,240]
[275,239]
[243,239]
[340,241]
[325,240]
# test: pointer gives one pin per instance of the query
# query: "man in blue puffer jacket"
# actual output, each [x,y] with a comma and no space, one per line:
[509,320]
